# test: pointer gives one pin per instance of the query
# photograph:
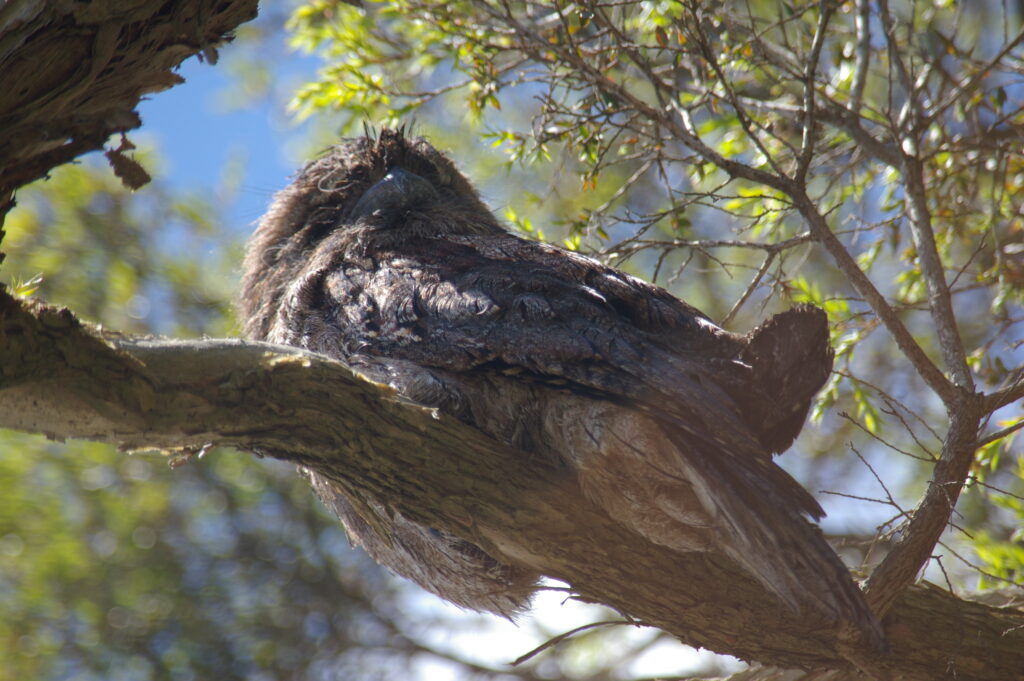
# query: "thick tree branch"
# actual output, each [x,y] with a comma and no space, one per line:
[67,380]
[912,550]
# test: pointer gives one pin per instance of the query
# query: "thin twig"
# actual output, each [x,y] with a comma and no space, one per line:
[561,637]
[973,83]
[810,75]
[755,282]
[1000,434]
[878,438]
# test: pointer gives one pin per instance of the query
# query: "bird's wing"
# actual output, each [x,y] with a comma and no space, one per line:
[503,305]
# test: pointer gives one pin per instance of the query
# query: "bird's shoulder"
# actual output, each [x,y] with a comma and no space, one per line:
[487,279]
[501,304]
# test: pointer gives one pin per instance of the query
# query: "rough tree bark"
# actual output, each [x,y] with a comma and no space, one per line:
[72,74]
[65,379]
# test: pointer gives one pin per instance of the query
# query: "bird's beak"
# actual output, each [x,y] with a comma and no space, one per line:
[397,191]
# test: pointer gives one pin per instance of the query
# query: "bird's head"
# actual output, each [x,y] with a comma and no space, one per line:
[389,185]
[367,191]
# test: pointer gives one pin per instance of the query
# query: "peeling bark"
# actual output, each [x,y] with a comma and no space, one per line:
[65,379]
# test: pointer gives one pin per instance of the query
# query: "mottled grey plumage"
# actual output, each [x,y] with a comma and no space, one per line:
[383,249]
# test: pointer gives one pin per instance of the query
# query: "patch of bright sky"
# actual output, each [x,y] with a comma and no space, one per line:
[498,642]
[206,142]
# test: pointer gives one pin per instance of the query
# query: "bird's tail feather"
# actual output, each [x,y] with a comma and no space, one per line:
[759,514]
[790,358]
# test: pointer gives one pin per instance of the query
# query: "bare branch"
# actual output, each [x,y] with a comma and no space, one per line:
[977,79]
[940,304]
[911,113]
[754,283]
[913,548]
[555,640]
[860,74]
[1000,434]
[825,10]
[860,281]
[1007,395]
[849,119]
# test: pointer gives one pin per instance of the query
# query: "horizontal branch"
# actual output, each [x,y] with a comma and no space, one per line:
[65,379]
[920,599]
[1008,395]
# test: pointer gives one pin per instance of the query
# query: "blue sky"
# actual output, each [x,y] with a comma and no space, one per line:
[197,131]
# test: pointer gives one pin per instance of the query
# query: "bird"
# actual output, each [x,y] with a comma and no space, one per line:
[383,255]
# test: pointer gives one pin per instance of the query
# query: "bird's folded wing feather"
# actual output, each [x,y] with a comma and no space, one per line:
[504,305]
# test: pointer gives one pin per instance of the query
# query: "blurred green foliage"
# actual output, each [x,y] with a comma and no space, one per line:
[153,262]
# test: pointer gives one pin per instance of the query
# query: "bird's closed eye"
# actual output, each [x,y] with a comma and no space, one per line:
[440,172]
[444,178]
